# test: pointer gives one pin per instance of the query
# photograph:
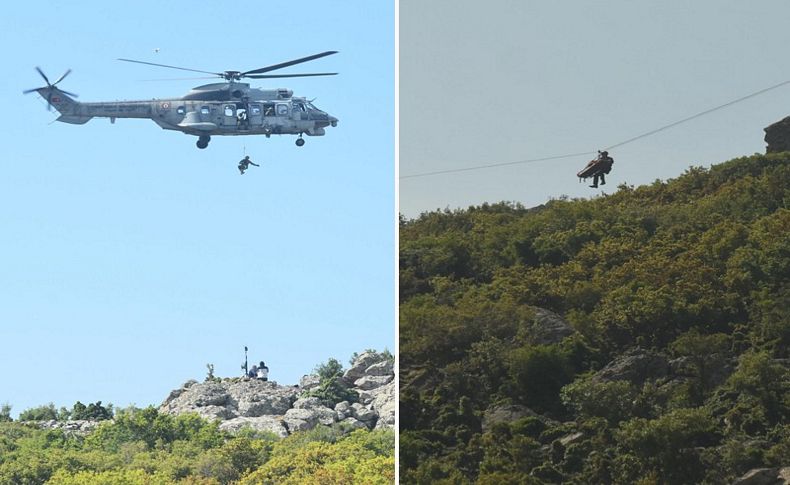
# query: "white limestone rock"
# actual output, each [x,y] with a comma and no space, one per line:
[259,423]
[367,383]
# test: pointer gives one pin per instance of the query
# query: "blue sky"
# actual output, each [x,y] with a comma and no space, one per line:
[129,259]
[509,80]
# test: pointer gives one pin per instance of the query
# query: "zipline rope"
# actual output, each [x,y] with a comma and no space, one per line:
[533,160]
[638,137]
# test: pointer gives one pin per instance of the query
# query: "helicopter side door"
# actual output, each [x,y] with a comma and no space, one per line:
[229,116]
[255,114]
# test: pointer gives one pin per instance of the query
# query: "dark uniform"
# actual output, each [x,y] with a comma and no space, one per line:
[245,163]
[605,163]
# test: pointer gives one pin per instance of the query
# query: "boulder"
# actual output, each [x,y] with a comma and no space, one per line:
[342,410]
[383,368]
[354,423]
[308,382]
[260,423]
[259,398]
[360,365]
[213,412]
[572,438]
[366,383]
[765,476]
[363,414]
[300,420]
[324,415]
[307,403]
[549,328]
[505,413]
[385,405]
[636,365]
[777,136]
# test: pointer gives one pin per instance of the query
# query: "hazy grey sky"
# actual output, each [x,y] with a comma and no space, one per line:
[501,81]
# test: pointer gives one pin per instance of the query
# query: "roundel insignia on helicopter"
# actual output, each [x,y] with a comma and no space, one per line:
[165,105]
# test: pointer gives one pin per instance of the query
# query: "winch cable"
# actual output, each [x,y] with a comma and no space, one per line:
[638,137]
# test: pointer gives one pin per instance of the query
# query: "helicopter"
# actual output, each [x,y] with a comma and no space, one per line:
[230,108]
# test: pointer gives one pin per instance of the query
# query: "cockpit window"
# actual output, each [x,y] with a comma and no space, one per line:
[300,107]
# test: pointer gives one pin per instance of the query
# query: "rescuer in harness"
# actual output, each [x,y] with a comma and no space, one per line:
[245,163]
[597,168]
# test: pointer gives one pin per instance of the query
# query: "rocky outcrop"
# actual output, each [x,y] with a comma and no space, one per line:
[231,399]
[765,476]
[505,413]
[360,366]
[267,406]
[260,423]
[777,136]
[549,328]
[636,366]
[73,427]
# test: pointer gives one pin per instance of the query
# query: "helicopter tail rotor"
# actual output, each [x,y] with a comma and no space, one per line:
[50,90]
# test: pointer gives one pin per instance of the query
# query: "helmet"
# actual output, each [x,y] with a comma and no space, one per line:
[604,153]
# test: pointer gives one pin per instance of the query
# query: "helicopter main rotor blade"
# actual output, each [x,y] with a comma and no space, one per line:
[272,76]
[171,67]
[28,91]
[176,79]
[70,94]
[274,67]
[43,75]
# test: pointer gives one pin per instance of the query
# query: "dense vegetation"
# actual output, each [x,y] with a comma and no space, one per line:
[144,447]
[694,272]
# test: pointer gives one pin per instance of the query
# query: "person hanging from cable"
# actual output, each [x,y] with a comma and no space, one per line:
[245,163]
[597,168]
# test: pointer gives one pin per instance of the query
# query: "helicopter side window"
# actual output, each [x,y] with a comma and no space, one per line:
[204,110]
[255,109]
[282,109]
[268,109]
[181,110]
[230,110]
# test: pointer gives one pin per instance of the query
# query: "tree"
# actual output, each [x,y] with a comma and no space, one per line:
[5,413]
[331,388]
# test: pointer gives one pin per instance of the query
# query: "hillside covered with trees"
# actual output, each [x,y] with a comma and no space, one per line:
[102,445]
[675,369]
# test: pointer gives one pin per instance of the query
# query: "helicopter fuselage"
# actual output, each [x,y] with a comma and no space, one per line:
[219,109]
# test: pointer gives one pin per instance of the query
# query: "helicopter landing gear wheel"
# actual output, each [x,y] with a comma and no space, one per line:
[203,142]
[299,141]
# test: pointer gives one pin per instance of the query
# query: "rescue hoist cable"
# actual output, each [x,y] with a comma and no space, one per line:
[638,137]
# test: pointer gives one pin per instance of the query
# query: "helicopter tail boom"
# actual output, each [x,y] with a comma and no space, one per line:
[68,108]
[58,99]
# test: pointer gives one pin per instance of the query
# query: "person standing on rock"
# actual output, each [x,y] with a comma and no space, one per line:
[262,372]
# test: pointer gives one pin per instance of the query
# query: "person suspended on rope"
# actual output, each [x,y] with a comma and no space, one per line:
[597,168]
[245,163]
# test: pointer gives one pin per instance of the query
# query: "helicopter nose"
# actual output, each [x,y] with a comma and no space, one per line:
[333,121]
